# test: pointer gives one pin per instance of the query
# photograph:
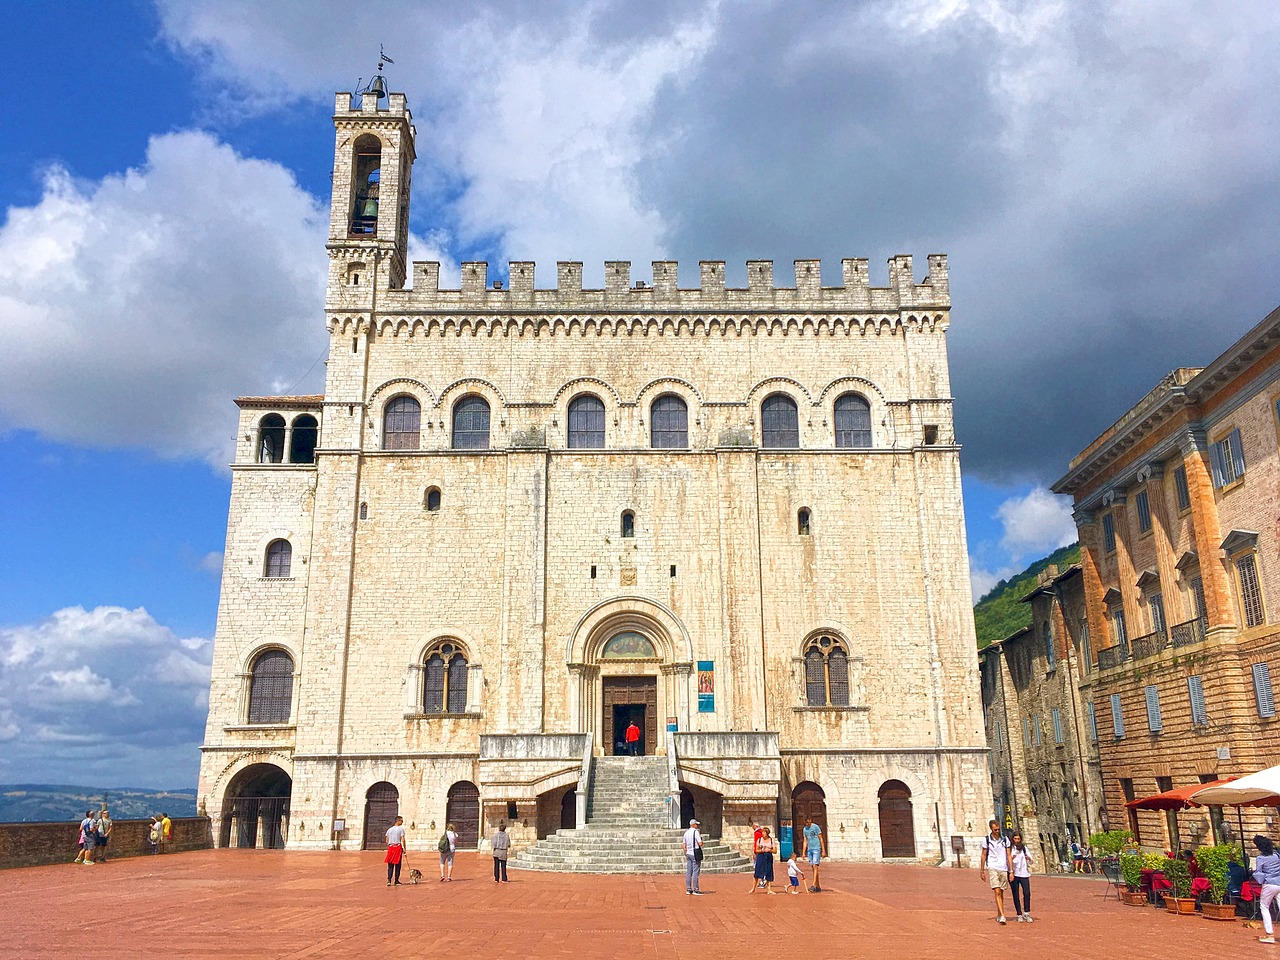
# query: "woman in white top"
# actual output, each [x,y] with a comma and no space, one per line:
[1021,879]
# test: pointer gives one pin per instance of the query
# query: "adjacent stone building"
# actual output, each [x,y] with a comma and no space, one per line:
[1178,508]
[521,517]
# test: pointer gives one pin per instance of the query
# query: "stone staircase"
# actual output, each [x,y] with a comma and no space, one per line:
[626,829]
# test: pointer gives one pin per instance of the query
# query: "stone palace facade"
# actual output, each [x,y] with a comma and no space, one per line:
[522,517]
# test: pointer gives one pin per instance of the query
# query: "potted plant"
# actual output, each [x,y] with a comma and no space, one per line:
[1178,900]
[1131,870]
[1214,863]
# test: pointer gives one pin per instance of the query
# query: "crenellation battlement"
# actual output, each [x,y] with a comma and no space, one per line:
[623,291]
[353,106]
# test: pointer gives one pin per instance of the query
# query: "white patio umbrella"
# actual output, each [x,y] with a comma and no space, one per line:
[1261,789]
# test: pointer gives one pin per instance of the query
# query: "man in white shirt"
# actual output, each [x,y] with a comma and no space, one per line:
[691,844]
[994,866]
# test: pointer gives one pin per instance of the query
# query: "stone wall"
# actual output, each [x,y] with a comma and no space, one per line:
[38,844]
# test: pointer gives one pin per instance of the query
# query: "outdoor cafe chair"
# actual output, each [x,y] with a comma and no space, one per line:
[1111,870]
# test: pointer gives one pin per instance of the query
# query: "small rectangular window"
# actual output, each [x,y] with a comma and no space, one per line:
[1262,693]
[673,571]
[1117,717]
[1143,504]
[999,736]
[1086,646]
[1154,722]
[1180,489]
[593,571]
[1092,713]
[930,434]
[1057,725]
[1195,689]
[1250,591]
[1226,458]
[512,812]
[1108,534]
[1026,732]
[1036,718]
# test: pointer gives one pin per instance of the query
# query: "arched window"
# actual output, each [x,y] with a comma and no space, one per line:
[444,687]
[306,434]
[433,499]
[279,558]
[271,439]
[853,421]
[401,423]
[779,421]
[471,423]
[826,672]
[366,179]
[669,423]
[802,521]
[271,688]
[586,422]
[628,523]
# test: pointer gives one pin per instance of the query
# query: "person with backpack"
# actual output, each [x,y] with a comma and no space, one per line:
[84,856]
[447,846]
[994,868]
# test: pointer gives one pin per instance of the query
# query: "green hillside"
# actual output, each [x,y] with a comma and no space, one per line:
[45,802]
[1001,612]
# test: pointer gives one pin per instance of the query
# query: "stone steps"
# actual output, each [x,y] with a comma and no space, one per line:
[627,828]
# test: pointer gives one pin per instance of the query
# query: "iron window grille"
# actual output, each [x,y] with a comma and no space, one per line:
[271,688]
[826,672]
[401,424]
[279,558]
[471,423]
[586,423]
[853,421]
[444,686]
[780,422]
[1250,591]
[669,423]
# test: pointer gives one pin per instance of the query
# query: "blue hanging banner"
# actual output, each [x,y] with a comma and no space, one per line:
[706,686]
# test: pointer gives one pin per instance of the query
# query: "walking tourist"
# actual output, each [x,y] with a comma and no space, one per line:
[447,846]
[85,824]
[395,850]
[691,844]
[794,875]
[764,862]
[633,739]
[1077,858]
[104,834]
[501,844]
[993,866]
[815,848]
[1266,871]
[1020,878]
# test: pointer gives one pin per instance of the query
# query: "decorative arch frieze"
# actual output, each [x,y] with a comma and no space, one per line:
[609,617]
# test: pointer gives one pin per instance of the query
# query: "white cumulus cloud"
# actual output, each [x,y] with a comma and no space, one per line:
[1037,523]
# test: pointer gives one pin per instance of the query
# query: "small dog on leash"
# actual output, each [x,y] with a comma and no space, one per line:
[415,875]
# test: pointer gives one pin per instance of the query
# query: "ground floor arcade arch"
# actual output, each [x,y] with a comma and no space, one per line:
[255,808]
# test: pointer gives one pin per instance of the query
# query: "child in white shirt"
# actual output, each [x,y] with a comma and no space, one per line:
[794,874]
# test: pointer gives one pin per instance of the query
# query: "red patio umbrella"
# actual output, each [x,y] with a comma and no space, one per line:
[1175,800]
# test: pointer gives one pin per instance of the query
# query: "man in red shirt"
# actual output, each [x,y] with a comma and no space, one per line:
[633,738]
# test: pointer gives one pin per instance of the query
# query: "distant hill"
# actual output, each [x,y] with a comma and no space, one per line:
[1001,612]
[44,802]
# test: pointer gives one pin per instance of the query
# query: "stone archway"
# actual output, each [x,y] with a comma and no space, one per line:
[255,808]
[381,807]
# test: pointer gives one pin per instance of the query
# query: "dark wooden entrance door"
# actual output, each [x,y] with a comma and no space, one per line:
[381,805]
[807,800]
[897,831]
[626,699]
[463,811]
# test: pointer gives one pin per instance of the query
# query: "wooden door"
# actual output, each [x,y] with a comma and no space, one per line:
[807,800]
[897,829]
[381,805]
[621,691]
[463,811]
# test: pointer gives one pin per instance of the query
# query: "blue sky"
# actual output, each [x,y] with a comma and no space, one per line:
[1101,175]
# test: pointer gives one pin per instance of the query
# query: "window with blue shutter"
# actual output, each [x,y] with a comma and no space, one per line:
[1154,723]
[1093,721]
[1026,732]
[1038,735]
[1144,511]
[1180,488]
[1109,534]
[1262,690]
[1226,459]
[1195,689]
[1117,718]
[1057,725]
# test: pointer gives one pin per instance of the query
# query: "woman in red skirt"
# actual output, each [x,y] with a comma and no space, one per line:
[395,850]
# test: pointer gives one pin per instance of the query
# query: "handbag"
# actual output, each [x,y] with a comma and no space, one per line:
[697,854]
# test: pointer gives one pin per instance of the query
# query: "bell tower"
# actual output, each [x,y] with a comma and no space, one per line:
[369,214]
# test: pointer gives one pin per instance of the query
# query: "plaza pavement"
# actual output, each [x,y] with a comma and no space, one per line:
[279,904]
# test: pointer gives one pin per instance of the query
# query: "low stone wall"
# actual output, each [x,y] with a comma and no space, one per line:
[36,844]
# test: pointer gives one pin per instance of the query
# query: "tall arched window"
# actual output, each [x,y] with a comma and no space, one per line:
[779,421]
[271,688]
[826,672]
[853,421]
[444,687]
[628,523]
[401,423]
[586,422]
[279,558]
[471,423]
[669,423]
[306,434]
[271,439]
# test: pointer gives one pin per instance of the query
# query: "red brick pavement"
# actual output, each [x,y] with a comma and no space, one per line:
[240,903]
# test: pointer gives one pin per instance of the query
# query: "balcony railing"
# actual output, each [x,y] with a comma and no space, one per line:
[1113,656]
[1185,634]
[1149,645]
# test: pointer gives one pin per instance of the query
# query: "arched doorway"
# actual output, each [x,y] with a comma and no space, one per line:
[381,806]
[808,800]
[463,811]
[569,809]
[255,808]
[687,808]
[897,828]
